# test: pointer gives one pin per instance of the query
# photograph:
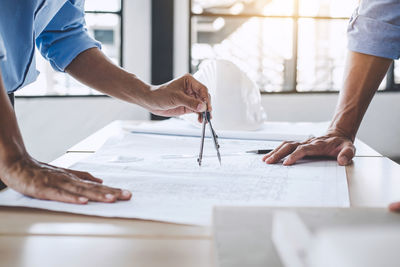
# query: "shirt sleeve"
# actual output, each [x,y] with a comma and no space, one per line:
[66,36]
[374,28]
[2,50]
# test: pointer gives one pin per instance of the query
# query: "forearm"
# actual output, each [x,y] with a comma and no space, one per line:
[175,98]
[11,144]
[95,70]
[362,78]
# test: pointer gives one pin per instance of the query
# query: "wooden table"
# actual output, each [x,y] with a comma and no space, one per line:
[30,237]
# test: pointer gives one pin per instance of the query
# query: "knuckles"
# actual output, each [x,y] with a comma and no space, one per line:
[318,142]
[188,77]
[303,149]
[290,144]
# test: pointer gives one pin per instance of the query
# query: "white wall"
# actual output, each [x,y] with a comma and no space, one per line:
[137,38]
[181,37]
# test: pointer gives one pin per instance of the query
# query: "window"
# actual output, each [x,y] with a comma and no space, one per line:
[104,23]
[283,45]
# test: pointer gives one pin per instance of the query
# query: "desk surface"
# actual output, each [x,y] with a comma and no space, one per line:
[28,236]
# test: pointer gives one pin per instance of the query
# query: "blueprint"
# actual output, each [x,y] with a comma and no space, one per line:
[168,185]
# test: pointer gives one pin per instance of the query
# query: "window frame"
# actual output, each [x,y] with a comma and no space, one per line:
[120,13]
[390,86]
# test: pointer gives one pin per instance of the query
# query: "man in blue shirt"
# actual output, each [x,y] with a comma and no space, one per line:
[58,28]
[374,41]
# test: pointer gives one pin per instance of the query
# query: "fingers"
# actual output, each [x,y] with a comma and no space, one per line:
[181,96]
[346,154]
[266,156]
[300,152]
[82,175]
[193,104]
[395,207]
[209,104]
[47,182]
[67,186]
[57,194]
[95,192]
[200,90]
[85,176]
[339,147]
[280,152]
[178,111]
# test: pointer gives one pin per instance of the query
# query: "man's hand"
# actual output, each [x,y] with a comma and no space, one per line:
[362,77]
[38,180]
[331,145]
[43,181]
[180,96]
[395,207]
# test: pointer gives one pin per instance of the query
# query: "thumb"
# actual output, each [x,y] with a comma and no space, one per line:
[346,154]
[192,103]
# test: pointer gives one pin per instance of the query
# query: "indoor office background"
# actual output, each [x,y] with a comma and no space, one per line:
[293,49]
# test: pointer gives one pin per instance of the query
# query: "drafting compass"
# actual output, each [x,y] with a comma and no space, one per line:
[207,119]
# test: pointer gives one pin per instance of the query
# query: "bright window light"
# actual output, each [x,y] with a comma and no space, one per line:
[283,45]
[103,21]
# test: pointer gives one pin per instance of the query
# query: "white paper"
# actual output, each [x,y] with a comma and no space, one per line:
[179,191]
[274,131]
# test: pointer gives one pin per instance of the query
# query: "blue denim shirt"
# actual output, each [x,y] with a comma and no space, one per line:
[57,27]
[374,28]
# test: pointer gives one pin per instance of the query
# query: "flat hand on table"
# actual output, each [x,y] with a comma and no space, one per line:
[331,145]
[43,181]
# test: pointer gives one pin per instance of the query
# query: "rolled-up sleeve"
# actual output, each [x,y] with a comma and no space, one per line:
[66,36]
[2,49]
[374,28]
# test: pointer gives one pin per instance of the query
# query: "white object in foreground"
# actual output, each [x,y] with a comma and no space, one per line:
[179,191]
[367,246]
[345,246]
[291,238]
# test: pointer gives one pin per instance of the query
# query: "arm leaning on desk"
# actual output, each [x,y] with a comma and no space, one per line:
[45,238]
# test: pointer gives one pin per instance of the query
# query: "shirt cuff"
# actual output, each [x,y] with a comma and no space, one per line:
[373,37]
[2,50]
[67,49]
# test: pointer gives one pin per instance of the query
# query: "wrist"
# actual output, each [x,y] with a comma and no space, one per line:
[11,150]
[10,166]
[155,98]
[346,121]
[341,131]
[139,92]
